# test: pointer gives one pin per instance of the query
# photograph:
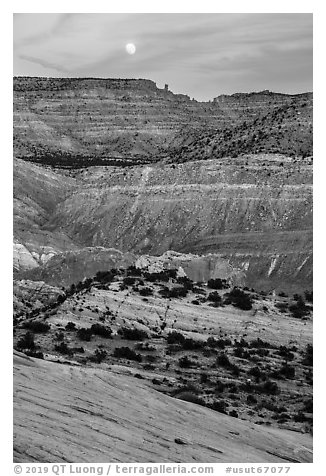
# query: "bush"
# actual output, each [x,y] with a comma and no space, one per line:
[223,360]
[37,326]
[186,282]
[102,331]
[129,281]
[34,353]
[285,352]
[308,356]
[175,292]
[190,397]
[219,406]
[185,362]
[218,343]
[309,296]
[299,309]
[84,334]
[175,337]
[191,344]
[160,276]
[145,291]
[133,271]
[127,353]
[71,326]
[260,344]
[26,342]
[288,371]
[132,334]
[217,283]
[63,349]
[269,387]
[105,276]
[214,297]
[239,299]
[282,306]
[98,356]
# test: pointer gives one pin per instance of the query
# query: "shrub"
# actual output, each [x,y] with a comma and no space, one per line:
[190,397]
[241,343]
[185,362]
[63,349]
[255,372]
[308,406]
[214,297]
[104,276]
[102,331]
[308,356]
[175,337]
[145,291]
[127,353]
[282,306]
[37,326]
[239,299]
[260,344]
[223,360]
[299,309]
[219,406]
[217,283]
[132,334]
[128,281]
[251,399]
[133,271]
[71,326]
[59,335]
[160,276]
[233,414]
[204,378]
[98,356]
[186,282]
[309,296]
[84,334]
[175,292]
[61,298]
[34,353]
[191,344]
[218,343]
[269,387]
[285,352]
[26,341]
[288,371]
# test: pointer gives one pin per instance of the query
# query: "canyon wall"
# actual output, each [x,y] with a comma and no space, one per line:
[255,212]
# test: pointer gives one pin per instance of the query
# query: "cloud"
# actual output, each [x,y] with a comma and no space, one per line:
[194,53]
[44,63]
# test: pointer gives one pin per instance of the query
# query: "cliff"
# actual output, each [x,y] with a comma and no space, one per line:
[255,212]
[87,121]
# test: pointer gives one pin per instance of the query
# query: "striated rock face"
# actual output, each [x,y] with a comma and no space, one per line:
[71,121]
[124,410]
[253,214]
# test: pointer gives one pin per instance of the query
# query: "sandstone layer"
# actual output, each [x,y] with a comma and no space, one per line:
[252,213]
[73,414]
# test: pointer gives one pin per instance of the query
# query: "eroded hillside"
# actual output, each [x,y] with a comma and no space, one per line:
[253,212]
[73,122]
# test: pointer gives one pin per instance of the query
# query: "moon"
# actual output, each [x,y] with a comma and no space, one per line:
[130,49]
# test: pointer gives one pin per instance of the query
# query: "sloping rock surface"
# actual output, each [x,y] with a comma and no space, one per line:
[65,413]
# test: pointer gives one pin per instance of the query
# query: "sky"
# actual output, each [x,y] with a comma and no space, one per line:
[199,54]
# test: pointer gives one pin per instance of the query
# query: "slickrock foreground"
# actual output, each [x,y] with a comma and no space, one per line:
[65,413]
